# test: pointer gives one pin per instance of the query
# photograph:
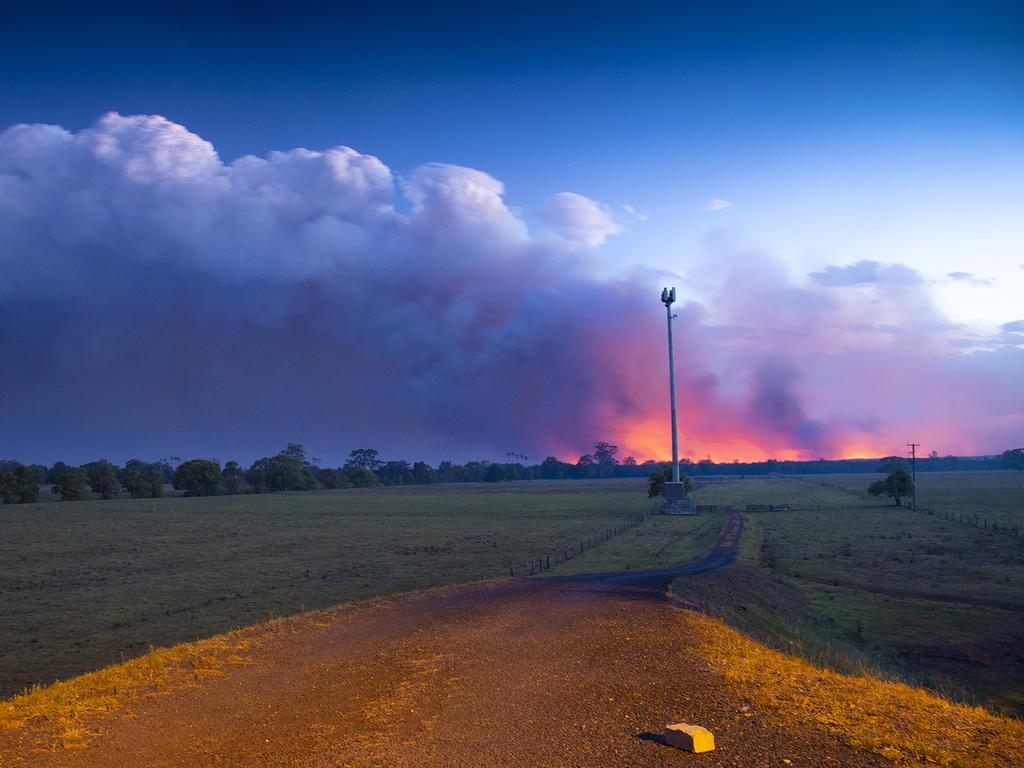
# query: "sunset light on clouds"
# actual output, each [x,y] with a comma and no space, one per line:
[480,284]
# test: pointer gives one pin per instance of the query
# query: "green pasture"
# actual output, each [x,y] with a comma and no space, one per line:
[917,595]
[85,584]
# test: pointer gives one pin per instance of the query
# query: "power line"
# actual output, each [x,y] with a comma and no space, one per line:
[913,472]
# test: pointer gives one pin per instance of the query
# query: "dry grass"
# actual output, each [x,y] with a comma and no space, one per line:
[907,725]
[72,711]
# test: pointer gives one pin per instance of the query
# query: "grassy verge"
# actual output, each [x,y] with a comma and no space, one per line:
[907,725]
[662,541]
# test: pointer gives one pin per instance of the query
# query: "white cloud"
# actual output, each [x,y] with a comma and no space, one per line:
[717,204]
[579,220]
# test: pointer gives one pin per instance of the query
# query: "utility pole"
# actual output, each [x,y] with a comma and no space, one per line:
[913,472]
[668,297]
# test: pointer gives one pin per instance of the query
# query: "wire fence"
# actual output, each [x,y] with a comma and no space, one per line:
[563,554]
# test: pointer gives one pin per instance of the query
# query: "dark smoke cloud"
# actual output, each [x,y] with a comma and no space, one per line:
[156,300]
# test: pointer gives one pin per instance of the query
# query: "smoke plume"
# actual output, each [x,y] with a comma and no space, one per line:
[156,300]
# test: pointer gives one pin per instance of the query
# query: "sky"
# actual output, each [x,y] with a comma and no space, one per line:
[441,230]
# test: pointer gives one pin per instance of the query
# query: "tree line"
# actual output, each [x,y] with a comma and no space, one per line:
[292,470]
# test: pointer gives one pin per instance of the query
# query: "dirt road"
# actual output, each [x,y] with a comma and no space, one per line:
[579,671]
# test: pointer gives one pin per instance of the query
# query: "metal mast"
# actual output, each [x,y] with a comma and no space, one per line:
[668,297]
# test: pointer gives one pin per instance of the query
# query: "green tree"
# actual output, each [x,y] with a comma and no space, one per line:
[103,478]
[234,477]
[8,488]
[26,488]
[142,480]
[277,473]
[423,474]
[73,484]
[56,472]
[604,454]
[1014,459]
[364,458]
[896,486]
[360,477]
[199,477]
[656,482]
[395,473]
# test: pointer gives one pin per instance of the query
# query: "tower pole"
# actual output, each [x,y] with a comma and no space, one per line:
[668,296]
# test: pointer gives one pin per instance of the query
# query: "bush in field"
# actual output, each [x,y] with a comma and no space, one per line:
[103,478]
[73,484]
[656,482]
[897,485]
[199,477]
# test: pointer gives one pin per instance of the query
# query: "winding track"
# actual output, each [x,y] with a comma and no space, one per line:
[564,671]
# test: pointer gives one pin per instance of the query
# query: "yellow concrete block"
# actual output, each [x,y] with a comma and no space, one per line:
[692,738]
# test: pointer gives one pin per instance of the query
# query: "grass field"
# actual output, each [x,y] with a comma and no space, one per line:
[88,583]
[852,582]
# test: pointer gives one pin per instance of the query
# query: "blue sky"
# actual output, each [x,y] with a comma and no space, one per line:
[829,134]
[838,131]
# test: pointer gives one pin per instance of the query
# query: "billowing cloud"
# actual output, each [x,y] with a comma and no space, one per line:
[155,299]
[580,220]
[1015,325]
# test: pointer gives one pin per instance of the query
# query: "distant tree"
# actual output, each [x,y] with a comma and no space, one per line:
[332,478]
[423,474]
[395,473]
[56,472]
[153,480]
[103,479]
[73,484]
[586,460]
[364,458]
[234,477]
[450,472]
[8,488]
[891,464]
[26,487]
[552,469]
[199,477]
[896,486]
[629,461]
[605,453]
[475,470]
[143,480]
[495,473]
[1014,459]
[39,472]
[360,477]
[295,451]
[277,473]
